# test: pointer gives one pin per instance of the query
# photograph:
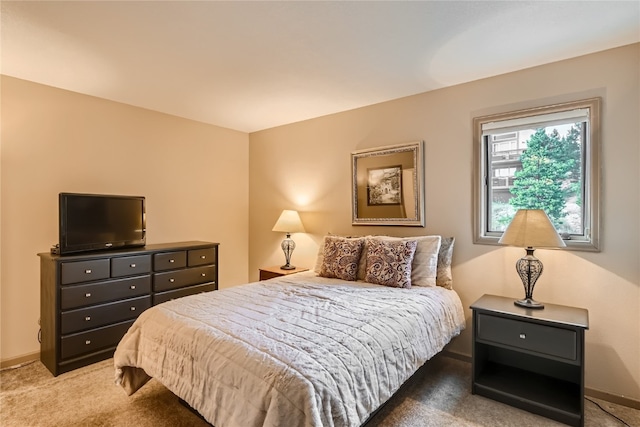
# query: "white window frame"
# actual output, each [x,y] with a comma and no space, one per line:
[590,241]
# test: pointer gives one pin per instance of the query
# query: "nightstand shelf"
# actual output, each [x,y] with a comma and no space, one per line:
[530,359]
[544,392]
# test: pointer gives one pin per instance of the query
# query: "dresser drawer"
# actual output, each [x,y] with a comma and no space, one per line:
[112,290]
[101,315]
[183,292]
[534,337]
[169,260]
[84,271]
[93,340]
[202,256]
[181,278]
[130,265]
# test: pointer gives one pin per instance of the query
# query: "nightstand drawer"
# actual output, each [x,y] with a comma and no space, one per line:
[534,337]
[266,275]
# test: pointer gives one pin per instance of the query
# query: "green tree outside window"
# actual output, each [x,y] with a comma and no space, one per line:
[550,174]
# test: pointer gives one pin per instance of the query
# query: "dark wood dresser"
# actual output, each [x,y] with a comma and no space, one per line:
[88,301]
[532,359]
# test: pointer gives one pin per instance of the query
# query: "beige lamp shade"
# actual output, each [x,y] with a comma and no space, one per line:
[289,222]
[531,228]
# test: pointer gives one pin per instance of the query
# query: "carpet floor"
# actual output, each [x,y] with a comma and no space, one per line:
[438,395]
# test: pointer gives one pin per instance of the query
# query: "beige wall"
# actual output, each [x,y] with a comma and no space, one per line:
[194,177]
[53,140]
[306,166]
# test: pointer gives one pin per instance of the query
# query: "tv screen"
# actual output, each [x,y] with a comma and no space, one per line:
[91,222]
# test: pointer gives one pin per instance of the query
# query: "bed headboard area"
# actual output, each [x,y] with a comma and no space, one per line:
[391,261]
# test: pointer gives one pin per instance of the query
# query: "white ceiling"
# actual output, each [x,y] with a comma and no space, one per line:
[254,65]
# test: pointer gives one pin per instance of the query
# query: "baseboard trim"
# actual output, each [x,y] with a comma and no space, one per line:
[613,398]
[17,361]
[455,355]
[598,394]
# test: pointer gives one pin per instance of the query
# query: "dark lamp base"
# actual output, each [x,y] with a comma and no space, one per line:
[287,267]
[529,303]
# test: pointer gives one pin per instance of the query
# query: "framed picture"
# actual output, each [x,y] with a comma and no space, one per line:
[387,185]
[384,186]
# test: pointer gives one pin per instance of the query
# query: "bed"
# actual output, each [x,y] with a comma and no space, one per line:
[307,349]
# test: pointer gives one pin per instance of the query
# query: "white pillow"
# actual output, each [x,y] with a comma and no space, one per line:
[424,267]
[445,279]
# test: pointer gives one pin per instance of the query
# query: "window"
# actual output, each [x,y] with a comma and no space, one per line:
[541,158]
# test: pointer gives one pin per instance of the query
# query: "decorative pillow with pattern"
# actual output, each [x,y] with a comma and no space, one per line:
[424,267]
[320,255]
[340,257]
[389,262]
[445,279]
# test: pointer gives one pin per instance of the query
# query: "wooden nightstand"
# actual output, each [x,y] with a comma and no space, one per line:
[276,271]
[530,359]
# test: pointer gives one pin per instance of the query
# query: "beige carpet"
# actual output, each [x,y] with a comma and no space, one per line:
[439,395]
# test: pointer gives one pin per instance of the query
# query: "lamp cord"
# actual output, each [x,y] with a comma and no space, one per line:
[607,412]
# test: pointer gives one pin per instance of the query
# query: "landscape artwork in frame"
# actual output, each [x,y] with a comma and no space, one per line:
[384,186]
[387,185]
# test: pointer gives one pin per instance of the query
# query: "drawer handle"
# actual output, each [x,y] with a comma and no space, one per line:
[132,308]
[87,295]
[523,336]
[172,280]
[87,271]
[132,287]
[171,261]
[87,342]
[203,274]
[132,266]
[88,318]
[203,256]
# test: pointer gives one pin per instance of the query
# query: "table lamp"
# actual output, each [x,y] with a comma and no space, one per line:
[289,222]
[530,228]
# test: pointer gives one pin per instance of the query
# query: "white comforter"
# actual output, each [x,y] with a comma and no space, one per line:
[293,351]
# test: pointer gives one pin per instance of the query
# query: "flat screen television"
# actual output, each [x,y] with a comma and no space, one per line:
[91,222]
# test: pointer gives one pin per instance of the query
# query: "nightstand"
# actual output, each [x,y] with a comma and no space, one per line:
[531,359]
[276,271]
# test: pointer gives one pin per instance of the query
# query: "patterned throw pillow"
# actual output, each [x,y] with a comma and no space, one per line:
[424,267]
[389,262]
[444,278]
[340,257]
[320,255]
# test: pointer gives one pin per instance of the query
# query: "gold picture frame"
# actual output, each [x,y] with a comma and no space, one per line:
[387,185]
